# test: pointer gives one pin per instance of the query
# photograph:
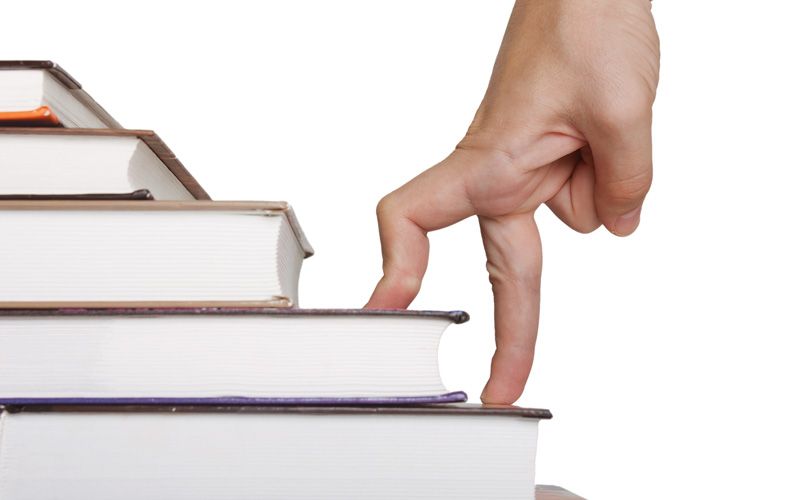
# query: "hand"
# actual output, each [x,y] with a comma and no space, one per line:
[566,122]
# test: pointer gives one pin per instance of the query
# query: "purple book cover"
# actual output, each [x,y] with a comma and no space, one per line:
[450,397]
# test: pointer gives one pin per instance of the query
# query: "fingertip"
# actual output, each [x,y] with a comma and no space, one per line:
[511,367]
[626,224]
[500,393]
[394,292]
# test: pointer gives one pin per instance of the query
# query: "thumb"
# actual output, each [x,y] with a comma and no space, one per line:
[623,165]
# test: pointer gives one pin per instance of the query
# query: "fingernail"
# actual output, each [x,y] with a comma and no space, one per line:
[483,394]
[626,224]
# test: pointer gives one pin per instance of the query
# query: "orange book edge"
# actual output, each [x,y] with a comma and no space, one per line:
[42,116]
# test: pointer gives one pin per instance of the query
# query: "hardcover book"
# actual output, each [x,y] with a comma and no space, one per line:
[223,356]
[39,117]
[141,253]
[41,93]
[283,452]
[66,162]
[139,194]
[549,492]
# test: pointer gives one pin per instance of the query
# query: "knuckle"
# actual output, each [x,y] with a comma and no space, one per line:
[628,191]
[492,147]
[410,284]
[619,112]
[406,284]
[386,207]
[526,278]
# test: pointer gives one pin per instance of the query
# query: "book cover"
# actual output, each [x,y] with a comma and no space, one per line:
[460,409]
[39,117]
[139,194]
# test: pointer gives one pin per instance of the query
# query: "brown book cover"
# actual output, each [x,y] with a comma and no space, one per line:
[549,492]
[150,138]
[70,83]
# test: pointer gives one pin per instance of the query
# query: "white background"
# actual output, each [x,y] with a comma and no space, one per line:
[670,358]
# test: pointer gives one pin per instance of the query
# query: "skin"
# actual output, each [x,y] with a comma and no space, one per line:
[565,122]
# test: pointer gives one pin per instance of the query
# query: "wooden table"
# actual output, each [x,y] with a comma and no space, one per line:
[547,492]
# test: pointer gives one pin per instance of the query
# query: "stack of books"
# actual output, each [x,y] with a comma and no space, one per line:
[151,343]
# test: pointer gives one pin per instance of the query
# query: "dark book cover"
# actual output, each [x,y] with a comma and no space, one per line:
[457,317]
[464,409]
[450,397]
[139,194]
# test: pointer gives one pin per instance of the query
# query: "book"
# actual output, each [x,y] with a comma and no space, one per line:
[59,253]
[27,86]
[48,161]
[139,194]
[218,356]
[39,117]
[550,492]
[283,452]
